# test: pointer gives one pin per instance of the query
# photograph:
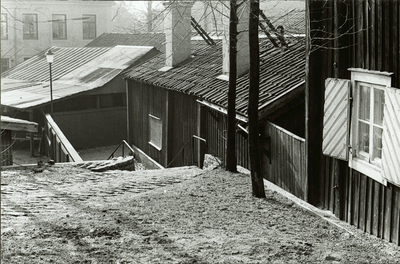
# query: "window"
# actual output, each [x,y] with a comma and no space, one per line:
[30,27]
[89,26]
[80,103]
[367,135]
[155,127]
[5,64]
[367,121]
[4,26]
[59,26]
[371,99]
[112,100]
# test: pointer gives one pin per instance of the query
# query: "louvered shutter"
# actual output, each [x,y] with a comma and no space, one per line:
[391,136]
[336,118]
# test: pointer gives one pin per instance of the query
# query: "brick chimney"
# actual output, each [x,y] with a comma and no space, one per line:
[177,29]
[243,57]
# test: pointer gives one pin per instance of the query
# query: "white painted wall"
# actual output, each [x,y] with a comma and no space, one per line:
[17,49]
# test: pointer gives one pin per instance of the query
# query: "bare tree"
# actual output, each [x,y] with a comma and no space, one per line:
[231,144]
[255,162]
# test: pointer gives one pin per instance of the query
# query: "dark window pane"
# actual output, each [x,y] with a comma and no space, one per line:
[30,26]
[89,26]
[76,104]
[112,100]
[59,27]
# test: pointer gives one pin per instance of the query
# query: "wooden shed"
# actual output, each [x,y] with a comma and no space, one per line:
[353,112]
[187,103]
[89,102]
[8,125]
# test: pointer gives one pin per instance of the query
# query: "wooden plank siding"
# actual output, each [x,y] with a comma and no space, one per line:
[368,39]
[287,166]
[182,125]
[6,148]
[214,128]
[146,100]
[178,113]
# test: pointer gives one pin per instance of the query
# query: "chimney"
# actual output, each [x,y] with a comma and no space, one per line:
[177,32]
[243,57]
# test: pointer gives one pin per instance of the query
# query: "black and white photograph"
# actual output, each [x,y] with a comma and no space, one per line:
[208,131]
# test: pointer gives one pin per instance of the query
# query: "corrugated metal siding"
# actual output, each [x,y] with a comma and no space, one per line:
[336,118]
[391,138]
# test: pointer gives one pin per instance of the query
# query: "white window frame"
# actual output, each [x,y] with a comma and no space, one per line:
[155,141]
[4,26]
[378,80]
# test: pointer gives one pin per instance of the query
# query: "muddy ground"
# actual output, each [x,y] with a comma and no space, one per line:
[69,215]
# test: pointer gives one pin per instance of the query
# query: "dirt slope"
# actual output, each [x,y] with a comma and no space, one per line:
[69,215]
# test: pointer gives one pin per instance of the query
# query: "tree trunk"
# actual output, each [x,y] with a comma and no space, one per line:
[255,162]
[231,144]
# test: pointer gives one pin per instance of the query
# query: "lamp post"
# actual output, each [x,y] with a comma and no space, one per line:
[50,59]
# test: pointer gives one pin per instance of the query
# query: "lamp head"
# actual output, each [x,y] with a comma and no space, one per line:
[49,56]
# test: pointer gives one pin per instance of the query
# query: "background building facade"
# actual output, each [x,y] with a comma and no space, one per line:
[29,27]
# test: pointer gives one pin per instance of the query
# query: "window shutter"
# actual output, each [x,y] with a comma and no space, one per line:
[336,118]
[391,136]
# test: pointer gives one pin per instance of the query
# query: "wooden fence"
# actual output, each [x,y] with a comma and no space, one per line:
[6,148]
[214,127]
[57,146]
[284,165]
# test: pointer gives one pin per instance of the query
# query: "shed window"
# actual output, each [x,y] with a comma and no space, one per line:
[80,103]
[112,100]
[59,26]
[155,130]
[4,26]
[5,64]
[89,26]
[30,27]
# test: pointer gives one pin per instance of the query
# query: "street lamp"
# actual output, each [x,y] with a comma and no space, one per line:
[50,59]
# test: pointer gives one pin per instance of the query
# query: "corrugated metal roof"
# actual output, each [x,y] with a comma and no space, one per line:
[156,40]
[66,60]
[279,72]
[28,91]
